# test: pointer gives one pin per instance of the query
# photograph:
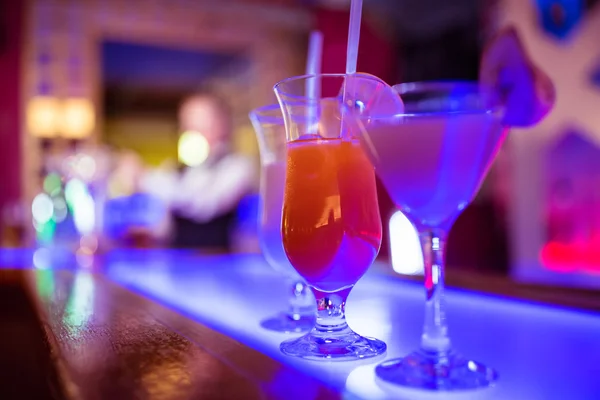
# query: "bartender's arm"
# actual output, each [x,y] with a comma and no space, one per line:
[204,194]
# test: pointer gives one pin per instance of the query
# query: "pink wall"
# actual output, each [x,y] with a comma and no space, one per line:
[376,53]
[11,31]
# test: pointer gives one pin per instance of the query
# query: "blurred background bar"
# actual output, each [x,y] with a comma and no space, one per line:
[129,166]
[124,124]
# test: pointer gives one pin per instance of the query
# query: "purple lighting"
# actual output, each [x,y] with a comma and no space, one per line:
[540,352]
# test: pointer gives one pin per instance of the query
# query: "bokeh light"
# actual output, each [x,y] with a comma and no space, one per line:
[42,258]
[84,215]
[85,167]
[88,244]
[52,184]
[193,148]
[45,231]
[78,118]
[60,209]
[405,248]
[42,208]
[43,116]
[75,190]
[84,258]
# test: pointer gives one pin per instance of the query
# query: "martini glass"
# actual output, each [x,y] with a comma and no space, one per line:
[270,132]
[432,158]
[331,228]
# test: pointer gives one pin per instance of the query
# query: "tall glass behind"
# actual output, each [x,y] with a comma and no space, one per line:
[270,132]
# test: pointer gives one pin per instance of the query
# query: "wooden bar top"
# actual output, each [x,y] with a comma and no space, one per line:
[76,335]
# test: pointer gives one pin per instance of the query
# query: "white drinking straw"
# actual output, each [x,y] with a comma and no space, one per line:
[313,85]
[353,36]
[315,51]
[352,49]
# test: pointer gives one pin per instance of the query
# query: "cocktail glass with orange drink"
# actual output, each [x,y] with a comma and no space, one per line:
[331,228]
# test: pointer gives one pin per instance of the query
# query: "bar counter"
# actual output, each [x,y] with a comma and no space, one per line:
[173,325]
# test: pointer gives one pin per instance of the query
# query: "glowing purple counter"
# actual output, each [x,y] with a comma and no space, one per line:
[541,352]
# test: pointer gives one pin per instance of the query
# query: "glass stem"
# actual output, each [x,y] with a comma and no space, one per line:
[331,312]
[301,302]
[435,331]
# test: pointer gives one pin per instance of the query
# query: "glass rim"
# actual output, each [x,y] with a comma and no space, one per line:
[400,89]
[474,86]
[259,114]
[436,83]
[278,85]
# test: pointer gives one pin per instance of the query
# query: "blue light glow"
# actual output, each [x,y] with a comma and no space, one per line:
[140,210]
[532,346]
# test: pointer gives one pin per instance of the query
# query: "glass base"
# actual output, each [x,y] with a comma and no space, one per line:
[286,324]
[436,371]
[341,346]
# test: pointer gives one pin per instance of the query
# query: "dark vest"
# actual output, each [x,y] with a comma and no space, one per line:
[214,234]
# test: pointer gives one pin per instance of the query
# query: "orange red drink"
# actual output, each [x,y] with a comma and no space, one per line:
[331,227]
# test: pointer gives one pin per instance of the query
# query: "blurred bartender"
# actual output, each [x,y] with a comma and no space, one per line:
[204,191]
